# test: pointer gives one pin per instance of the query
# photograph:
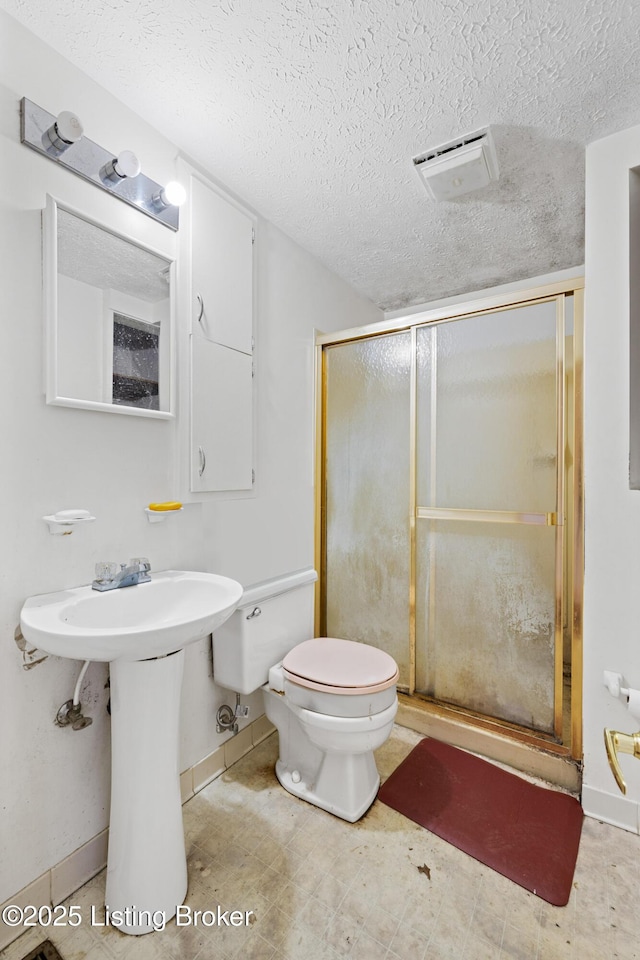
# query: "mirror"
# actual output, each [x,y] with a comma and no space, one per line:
[108,318]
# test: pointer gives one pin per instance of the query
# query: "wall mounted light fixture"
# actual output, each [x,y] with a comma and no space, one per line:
[61,139]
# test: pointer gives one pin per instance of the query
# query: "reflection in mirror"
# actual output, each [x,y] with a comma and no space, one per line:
[109,332]
[135,362]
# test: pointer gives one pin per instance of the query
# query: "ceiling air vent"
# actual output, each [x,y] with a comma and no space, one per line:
[458,167]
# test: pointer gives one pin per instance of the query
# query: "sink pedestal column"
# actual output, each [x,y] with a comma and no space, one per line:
[147,868]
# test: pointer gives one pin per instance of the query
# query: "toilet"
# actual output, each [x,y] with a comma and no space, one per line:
[332,701]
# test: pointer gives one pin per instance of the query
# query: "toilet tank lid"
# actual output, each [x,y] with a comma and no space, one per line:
[341,665]
[265,589]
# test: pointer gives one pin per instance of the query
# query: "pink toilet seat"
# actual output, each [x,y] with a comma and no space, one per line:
[332,665]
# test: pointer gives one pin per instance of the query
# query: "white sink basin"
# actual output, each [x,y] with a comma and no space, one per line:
[148,620]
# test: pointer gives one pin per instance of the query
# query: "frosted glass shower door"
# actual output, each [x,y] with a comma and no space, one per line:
[443,507]
[489,500]
[367,472]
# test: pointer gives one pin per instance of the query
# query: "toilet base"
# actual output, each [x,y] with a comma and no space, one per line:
[359,799]
[328,761]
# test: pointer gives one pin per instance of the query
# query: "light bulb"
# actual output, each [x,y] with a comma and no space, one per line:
[126,164]
[173,195]
[66,131]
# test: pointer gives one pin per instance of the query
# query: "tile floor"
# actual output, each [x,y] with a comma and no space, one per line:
[321,889]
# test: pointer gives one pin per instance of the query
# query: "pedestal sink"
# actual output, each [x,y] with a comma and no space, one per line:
[142,631]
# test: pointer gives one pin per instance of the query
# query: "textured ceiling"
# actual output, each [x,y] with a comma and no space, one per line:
[109,262]
[312,109]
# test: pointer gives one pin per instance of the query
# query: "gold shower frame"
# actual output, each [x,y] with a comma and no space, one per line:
[558,291]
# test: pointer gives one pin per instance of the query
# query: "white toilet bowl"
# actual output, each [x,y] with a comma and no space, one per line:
[328,731]
[332,701]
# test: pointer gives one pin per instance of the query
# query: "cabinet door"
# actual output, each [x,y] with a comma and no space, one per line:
[221,417]
[222,269]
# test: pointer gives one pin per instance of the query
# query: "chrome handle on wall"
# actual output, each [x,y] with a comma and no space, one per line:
[203,461]
[201,302]
[616,742]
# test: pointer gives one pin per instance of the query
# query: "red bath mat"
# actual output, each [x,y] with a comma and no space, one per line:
[525,832]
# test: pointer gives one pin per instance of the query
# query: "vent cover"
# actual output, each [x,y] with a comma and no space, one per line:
[45,951]
[458,167]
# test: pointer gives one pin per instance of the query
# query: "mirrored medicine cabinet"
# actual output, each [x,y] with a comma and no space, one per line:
[108,318]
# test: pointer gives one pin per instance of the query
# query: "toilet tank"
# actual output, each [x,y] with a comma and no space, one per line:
[272,617]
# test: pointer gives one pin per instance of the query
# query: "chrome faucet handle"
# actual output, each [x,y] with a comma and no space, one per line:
[106,570]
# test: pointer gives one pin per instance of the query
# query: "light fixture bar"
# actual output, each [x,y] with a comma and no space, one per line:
[87,159]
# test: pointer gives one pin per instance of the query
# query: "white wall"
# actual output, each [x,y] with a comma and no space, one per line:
[612,511]
[54,785]
[80,334]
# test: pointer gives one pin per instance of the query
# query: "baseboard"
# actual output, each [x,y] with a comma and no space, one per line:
[67,876]
[211,766]
[57,883]
[611,808]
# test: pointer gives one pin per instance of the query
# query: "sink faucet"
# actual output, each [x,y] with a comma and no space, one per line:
[112,576]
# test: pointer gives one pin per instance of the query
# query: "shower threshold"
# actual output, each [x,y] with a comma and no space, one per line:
[522,750]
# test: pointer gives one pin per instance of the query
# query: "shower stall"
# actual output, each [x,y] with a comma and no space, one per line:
[449,507]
